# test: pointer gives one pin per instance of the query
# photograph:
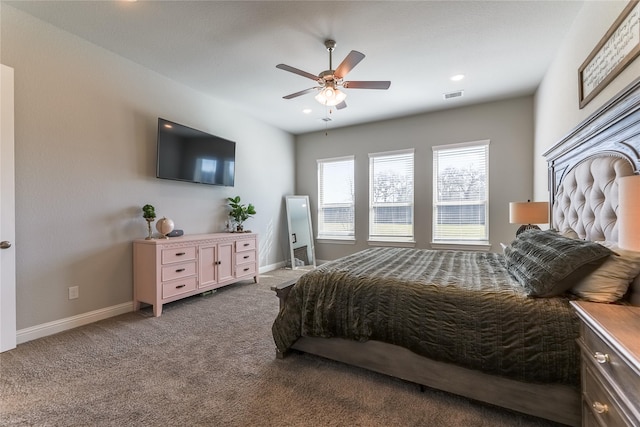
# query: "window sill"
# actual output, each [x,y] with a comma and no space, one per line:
[462,246]
[336,240]
[392,243]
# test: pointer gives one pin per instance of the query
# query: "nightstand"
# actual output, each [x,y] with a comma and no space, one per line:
[610,369]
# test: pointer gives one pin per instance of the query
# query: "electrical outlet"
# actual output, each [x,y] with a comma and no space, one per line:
[74,292]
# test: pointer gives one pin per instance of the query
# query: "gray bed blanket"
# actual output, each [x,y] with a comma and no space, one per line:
[452,306]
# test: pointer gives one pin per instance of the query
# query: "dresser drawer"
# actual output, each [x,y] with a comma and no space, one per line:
[177,287]
[178,255]
[601,405]
[245,257]
[246,245]
[246,270]
[178,271]
[606,362]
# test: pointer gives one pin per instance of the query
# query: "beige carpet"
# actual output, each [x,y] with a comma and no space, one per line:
[209,361]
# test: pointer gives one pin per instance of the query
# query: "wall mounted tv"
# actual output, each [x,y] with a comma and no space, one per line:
[186,154]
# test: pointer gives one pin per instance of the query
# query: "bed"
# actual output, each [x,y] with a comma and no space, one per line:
[488,326]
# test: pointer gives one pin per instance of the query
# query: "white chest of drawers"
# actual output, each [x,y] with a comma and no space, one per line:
[166,270]
[610,373]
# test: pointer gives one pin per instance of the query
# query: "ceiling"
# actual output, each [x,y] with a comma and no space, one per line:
[230,49]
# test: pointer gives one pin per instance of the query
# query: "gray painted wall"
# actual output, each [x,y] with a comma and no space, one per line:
[508,124]
[85,165]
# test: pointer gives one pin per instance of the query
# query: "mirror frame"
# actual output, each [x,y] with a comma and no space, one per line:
[291,235]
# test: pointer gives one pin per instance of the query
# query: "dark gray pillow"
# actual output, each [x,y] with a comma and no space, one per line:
[546,263]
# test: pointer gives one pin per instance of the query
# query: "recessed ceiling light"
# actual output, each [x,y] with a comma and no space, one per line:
[457,77]
[307,110]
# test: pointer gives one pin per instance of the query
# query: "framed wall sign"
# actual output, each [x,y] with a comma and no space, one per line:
[617,49]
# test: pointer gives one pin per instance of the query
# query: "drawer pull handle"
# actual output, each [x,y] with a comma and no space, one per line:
[180,286]
[246,269]
[246,256]
[181,253]
[601,357]
[180,270]
[600,408]
[246,244]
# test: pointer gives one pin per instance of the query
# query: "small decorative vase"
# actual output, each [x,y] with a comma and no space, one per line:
[239,228]
[164,226]
[149,221]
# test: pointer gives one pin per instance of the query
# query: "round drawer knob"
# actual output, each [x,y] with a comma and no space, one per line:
[600,408]
[601,357]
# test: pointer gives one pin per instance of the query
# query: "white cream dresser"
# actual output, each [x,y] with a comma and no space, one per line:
[166,270]
[610,346]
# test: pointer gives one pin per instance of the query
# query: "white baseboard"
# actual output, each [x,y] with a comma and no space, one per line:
[271,267]
[50,328]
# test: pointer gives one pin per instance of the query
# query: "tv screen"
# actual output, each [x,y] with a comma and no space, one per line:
[186,154]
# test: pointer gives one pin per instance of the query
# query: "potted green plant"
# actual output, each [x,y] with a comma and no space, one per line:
[149,214]
[240,212]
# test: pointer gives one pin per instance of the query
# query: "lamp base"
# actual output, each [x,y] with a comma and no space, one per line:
[527,227]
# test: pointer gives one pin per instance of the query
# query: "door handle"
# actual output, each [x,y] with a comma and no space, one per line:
[5,245]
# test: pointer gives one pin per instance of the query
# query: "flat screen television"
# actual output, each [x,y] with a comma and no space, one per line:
[186,154]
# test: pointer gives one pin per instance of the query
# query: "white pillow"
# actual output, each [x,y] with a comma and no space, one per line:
[610,281]
[571,234]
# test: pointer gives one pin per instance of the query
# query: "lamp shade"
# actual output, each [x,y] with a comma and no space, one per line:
[528,212]
[629,212]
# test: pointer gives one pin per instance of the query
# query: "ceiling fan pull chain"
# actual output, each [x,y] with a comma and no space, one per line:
[326,122]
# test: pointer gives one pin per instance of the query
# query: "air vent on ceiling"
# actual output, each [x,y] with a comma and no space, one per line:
[456,94]
[326,119]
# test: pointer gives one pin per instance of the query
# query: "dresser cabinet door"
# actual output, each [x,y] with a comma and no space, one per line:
[225,262]
[208,266]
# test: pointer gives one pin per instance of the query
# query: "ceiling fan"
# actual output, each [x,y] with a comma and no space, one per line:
[329,81]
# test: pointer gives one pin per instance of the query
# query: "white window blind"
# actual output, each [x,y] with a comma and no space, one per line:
[391,196]
[460,192]
[336,194]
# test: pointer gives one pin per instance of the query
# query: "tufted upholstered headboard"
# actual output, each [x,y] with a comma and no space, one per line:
[586,198]
[584,168]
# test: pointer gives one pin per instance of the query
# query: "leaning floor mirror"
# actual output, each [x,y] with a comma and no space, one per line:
[302,252]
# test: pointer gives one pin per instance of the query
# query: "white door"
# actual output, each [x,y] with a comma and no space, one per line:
[7,214]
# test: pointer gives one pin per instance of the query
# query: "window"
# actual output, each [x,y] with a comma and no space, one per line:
[460,193]
[336,198]
[391,196]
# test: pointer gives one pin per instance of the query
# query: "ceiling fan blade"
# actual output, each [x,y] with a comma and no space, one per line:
[297,71]
[367,85]
[302,92]
[341,105]
[352,59]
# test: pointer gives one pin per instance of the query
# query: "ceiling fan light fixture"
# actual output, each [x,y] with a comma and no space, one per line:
[330,96]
